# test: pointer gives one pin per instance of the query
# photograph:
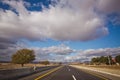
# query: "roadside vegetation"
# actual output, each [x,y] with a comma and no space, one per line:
[23,56]
[106,60]
[44,62]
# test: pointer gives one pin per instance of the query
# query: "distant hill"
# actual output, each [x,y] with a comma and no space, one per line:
[4,61]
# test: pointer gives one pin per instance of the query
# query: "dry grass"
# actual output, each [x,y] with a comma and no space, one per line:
[16,66]
[114,69]
[106,66]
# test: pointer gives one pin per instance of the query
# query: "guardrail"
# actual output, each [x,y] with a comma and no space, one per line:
[18,73]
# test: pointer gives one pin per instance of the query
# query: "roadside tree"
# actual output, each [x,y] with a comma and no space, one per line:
[45,62]
[23,56]
[117,58]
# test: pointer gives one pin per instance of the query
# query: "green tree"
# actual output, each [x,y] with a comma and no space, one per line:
[117,58]
[95,60]
[60,63]
[45,62]
[23,56]
[102,60]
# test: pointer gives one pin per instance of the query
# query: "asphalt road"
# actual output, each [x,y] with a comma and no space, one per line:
[16,74]
[69,73]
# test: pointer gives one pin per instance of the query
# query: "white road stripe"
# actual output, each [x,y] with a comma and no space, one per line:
[69,69]
[73,77]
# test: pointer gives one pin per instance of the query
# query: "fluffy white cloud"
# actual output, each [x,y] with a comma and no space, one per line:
[60,50]
[68,20]
[53,53]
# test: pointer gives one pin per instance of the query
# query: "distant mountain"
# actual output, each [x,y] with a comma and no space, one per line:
[4,61]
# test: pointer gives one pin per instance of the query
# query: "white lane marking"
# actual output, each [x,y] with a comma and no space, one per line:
[73,77]
[68,69]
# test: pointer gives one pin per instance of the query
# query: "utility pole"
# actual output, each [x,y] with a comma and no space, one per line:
[109,60]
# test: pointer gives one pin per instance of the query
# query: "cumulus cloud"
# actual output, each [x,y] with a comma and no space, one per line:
[109,6]
[67,20]
[55,53]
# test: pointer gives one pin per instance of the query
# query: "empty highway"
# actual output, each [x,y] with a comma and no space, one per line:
[66,73]
[69,73]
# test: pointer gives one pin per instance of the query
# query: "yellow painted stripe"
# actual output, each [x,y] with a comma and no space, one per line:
[38,78]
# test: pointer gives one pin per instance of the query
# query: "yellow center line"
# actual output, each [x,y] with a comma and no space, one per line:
[38,78]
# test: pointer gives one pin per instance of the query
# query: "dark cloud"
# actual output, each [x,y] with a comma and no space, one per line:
[5,43]
[109,6]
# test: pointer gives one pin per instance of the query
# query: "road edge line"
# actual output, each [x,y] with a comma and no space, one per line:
[51,71]
[74,77]
[97,75]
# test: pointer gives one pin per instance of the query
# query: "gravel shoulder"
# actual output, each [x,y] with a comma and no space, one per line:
[109,69]
[112,73]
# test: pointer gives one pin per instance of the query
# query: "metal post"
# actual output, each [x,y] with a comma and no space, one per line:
[109,60]
[109,57]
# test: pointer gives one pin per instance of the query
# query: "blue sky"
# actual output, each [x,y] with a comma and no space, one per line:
[60,29]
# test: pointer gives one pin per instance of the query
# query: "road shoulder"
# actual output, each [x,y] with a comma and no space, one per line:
[98,72]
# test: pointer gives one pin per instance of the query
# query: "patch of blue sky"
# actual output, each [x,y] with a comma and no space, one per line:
[46,43]
[36,5]
[4,6]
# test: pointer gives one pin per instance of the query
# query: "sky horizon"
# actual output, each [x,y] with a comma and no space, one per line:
[60,30]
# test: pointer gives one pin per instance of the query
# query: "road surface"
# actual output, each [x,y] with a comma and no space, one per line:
[15,74]
[64,73]
[70,73]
